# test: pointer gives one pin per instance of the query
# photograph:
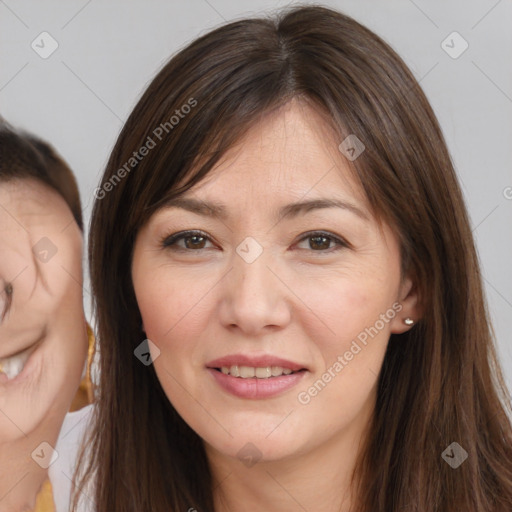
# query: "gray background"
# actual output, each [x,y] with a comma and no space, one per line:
[108,51]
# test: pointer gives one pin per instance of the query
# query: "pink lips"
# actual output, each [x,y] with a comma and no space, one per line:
[255,388]
[254,361]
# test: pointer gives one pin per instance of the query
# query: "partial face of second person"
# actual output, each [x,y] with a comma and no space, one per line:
[305,298]
[43,340]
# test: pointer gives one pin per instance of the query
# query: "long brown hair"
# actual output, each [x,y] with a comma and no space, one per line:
[440,382]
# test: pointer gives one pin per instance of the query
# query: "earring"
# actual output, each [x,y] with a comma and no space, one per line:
[408,321]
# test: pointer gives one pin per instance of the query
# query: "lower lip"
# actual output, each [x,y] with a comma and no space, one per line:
[256,388]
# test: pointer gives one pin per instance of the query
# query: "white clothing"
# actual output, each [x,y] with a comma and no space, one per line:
[76,424]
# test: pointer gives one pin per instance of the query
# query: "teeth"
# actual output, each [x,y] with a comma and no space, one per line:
[12,366]
[248,372]
[263,373]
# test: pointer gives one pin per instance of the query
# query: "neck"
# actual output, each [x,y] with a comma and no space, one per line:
[317,480]
[20,477]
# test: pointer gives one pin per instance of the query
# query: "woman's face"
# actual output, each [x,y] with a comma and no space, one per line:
[317,291]
[43,341]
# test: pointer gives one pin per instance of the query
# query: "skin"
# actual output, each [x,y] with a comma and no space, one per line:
[46,306]
[292,301]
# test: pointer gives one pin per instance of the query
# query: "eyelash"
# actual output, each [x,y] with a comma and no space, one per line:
[169,241]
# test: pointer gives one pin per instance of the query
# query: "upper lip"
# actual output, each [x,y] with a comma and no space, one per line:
[261,361]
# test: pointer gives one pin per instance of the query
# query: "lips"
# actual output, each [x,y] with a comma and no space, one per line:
[256,377]
[262,361]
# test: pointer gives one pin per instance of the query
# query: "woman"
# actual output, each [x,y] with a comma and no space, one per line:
[43,334]
[280,230]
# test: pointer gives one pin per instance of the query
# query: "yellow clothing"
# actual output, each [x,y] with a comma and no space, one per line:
[44,500]
[85,394]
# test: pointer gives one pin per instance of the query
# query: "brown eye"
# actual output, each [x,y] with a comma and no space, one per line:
[323,242]
[192,240]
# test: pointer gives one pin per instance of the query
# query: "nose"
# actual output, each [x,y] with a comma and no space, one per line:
[254,298]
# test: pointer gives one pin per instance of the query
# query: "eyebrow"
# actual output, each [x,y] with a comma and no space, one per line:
[219,211]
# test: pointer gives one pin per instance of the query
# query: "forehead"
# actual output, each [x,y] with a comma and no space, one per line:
[292,151]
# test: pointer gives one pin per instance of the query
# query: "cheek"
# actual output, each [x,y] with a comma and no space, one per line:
[62,302]
[350,328]
[171,305]
[64,299]
[66,348]
[344,306]
[68,322]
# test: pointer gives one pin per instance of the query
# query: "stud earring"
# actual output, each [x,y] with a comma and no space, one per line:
[408,321]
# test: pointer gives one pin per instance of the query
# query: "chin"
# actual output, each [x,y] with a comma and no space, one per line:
[254,446]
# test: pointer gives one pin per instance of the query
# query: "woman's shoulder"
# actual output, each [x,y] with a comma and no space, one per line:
[72,433]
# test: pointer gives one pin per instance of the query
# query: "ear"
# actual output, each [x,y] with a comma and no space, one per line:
[410,307]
